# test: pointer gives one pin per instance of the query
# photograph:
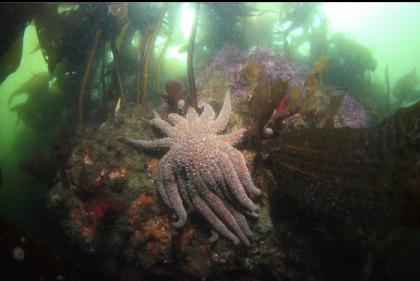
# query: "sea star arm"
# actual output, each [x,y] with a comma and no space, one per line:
[234,183]
[175,119]
[240,218]
[214,236]
[233,138]
[159,144]
[162,125]
[160,181]
[241,169]
[168,182]
[220,208]
[191,114]
[201,206]
[216,182]
[208,114]
[182,184]
[220,124]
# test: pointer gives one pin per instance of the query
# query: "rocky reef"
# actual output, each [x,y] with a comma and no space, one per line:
[108,204]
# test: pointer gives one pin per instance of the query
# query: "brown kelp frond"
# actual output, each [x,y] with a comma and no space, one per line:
[117,71]
[315,153]
[140,64]
[46,102]
[10,60]
[149,51]
[160,60]
[312,83]
[310,100]
[14,19]
[264,99]
[86,78]
[169,22]
[327,117]
[368,174]
[191,80]
[37,84]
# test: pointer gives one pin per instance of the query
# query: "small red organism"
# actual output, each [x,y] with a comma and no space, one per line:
[101,205]
[284,102]
[174,97]
[173,90]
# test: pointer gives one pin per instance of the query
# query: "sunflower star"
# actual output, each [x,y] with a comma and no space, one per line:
[204,170]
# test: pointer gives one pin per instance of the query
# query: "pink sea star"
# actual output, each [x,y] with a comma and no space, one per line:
[204,170]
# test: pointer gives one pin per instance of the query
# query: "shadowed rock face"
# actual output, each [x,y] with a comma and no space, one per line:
[362,174]
[342,195]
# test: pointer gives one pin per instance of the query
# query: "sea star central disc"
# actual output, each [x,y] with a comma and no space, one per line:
[204,170]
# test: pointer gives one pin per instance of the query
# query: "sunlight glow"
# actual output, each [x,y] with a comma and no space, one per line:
[173,52]
[389,30]
[351,17]
[186,22]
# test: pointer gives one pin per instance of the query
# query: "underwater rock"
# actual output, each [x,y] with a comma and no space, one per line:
[231,60]
[349,175]
[118,213]
[342,195]
[277,66]
[353,113]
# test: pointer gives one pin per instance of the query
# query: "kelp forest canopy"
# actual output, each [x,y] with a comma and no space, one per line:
[103,57]
[100,56]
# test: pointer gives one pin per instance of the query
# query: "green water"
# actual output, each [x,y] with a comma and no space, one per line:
[391,31]
[21,195]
